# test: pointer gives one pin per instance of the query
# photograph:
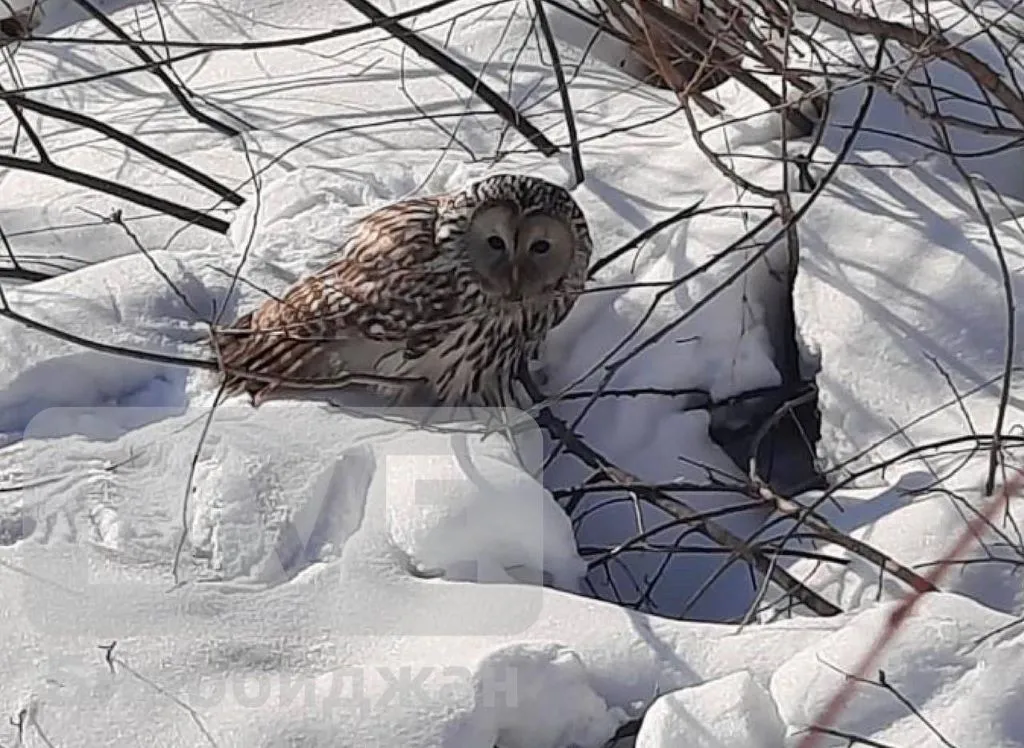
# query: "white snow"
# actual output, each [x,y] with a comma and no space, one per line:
[347,576]
[732,710]
[969,691]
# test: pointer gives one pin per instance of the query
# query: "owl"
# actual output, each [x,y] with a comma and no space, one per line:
[442,297]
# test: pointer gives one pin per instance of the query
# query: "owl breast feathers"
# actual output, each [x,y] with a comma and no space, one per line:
[446,295]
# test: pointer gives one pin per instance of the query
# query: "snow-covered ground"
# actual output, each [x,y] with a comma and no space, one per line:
[307,574]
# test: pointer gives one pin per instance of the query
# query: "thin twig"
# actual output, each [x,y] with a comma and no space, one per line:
[427,50]
[563,91]
[134,143]
[33,136]
[644,236]
[116,189]
[921,45]
[559,430]
[158,71]
[906,606]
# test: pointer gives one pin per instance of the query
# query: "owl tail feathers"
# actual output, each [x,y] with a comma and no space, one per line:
[256,362]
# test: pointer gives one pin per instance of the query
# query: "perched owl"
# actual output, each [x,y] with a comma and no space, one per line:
[450,293]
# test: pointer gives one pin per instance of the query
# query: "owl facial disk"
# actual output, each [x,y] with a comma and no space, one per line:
[544,249]
[518,254]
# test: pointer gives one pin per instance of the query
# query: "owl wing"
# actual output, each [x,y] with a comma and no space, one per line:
[390,284]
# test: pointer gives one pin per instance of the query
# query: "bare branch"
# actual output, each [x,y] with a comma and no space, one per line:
[563,91]
[673,506]
[158,71]
[922,45]
[132,142]
[427,50]
[115,189]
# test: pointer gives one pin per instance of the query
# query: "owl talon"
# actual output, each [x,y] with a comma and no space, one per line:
[261,396]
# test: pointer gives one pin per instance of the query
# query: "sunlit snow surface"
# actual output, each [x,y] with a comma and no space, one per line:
[343,581]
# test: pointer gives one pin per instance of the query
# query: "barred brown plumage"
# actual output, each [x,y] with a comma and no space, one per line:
[453,290]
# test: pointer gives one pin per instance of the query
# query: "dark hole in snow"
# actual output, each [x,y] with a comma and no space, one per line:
[784,435]
[786,451]
[15,529]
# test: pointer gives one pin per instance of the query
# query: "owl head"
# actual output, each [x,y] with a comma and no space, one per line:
[523,236]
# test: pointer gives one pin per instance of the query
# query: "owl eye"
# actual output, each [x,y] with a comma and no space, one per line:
[496,243]
[540,247]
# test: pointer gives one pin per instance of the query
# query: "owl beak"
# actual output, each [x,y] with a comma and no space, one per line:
[513,288]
